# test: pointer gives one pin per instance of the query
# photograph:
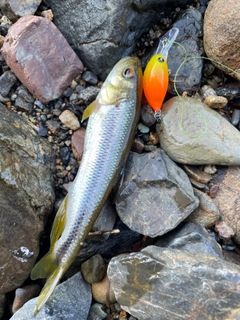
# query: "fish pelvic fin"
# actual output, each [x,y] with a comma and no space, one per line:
[91,108]
[46,268]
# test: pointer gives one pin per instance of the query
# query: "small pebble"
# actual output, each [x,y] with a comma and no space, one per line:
[69,120]
[94,269]
[47,14]
[97,312]
[147,115]
[210,169]
[53,125]
[64,155]
[213,190]
[216,102]
[195,173]
[137,146]
[223,230]
[22,295]
[77,142]
[142,128]
[153,138]
[90,77]
[102,291]
[42,131]
[235,120]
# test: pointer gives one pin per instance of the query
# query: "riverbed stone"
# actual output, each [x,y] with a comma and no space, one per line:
[221,29]
[104,32]
[40,57]
[14,9]
[159,283]
[26,196]
[192,133]
[69,300]
[156,195]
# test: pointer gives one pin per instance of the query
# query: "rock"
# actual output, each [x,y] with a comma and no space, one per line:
[221,30]
[77,143]
[213,190]
[102,291]
[190,236]
[97,312]
[24,294]
[207,214]
[94,269]
[223,230]
[142,128]
[235,117]
[7,80]
[147,115]
[89,94]
[228,199]
[2,304]
[195,173]
[69,119]
[137,146]
[40,57]
[189,75]
[156,194]
[98,37]
[26,195]
[90,77]
[159,283]
[69,300]
[216,102]
[14,9]
[192,133]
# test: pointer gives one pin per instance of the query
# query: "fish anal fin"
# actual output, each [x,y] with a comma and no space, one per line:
[47,290]
[91,108]
[59,222]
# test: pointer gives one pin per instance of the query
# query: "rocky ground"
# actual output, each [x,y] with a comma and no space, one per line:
[177,208]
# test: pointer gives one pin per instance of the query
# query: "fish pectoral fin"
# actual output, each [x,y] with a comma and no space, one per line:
[46,268]
[91,108]
[59,221]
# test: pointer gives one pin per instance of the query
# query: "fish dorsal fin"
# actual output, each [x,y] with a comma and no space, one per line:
[91,108]
[59,221]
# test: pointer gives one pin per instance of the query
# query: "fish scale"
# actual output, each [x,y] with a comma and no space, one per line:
[109,135]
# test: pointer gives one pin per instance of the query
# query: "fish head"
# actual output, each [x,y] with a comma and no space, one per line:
[123,82]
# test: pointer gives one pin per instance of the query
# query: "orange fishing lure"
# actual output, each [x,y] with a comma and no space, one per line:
[155,78]
[155,81]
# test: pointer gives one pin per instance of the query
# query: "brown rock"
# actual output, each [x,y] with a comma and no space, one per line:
[102,291]
[216,102]
[69,119]
[221,31]
[22,295]
[78,143]
[195,173]
[228,200]
[223,230]
[40,57]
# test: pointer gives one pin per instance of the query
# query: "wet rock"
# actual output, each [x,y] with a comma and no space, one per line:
[7,80]
[156,194]
[223,230]
[221,30]
[69,119]
[137,146]
[94,269]
[190,236]
[147,115]
[216,102]
[26,194]
[228,200]
[102,291]
[14,9]
[207,214]
[192,133]
[97,312]
[69,300]
[98,36]
[77,142]
[40,57]
[24,294]
[190,24]
[235,117]
[147,283]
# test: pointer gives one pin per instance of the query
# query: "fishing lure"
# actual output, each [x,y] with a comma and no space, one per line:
[155,78]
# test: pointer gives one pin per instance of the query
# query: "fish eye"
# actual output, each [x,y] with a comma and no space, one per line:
[161,59]
[128,72]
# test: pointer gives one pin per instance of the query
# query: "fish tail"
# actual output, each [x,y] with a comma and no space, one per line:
[46,268]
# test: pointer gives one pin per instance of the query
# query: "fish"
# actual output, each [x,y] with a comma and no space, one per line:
[113,118]
[156,74]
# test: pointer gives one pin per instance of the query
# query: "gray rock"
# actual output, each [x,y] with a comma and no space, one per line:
[90,77]
[2,304]
[174,284]
[14,9]
[94,269]
[156,194]
[26,196]
[192,133]
[69,300]
[189,76]
[40,57]
[190,236]
[106,31]
[7,80]
[89,94]
[207,213]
